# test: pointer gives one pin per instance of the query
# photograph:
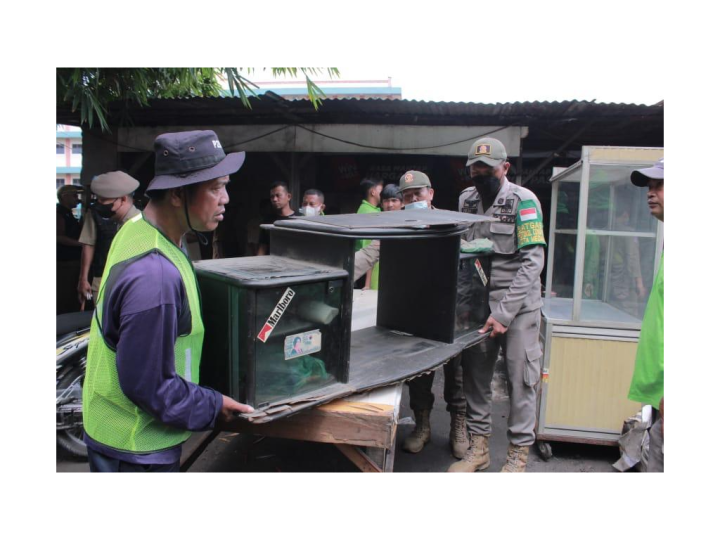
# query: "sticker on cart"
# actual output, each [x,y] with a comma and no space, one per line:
[302,344]
[276,314]
[479,269]
[545,375]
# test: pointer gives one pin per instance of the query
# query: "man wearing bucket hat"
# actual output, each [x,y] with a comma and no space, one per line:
[515,304]
[648,382]
[113,207]
[141,399]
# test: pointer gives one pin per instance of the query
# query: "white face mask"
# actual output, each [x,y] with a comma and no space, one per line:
[310,211]
[419,205]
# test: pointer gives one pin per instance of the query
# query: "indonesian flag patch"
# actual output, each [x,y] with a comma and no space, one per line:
[527,214]
[529,228]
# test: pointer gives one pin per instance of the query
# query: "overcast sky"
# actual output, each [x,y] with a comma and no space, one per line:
[623,84]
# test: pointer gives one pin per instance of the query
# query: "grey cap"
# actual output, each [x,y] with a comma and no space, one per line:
[488,150]
[113,184]
[414,179]
[190,157]
[641,177]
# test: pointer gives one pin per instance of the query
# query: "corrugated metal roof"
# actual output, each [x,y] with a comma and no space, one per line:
[230,109]
[508,109]
[550,122]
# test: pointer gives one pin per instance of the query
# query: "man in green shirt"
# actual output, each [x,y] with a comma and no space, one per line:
[648,384]
[370,189]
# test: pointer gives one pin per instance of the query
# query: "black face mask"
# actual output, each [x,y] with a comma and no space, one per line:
[103,210]
[488,187]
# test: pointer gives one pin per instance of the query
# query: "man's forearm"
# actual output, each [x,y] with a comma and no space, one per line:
[85,261]
[366,258]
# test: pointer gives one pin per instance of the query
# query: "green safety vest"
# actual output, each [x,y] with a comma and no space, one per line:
[109,417]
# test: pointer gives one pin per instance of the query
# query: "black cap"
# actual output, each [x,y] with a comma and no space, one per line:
[190,157]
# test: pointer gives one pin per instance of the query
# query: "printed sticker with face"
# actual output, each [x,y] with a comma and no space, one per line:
[302,344]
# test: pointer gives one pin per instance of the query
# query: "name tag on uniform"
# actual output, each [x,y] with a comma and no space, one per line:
[470,207]
[506,206]
[505,218]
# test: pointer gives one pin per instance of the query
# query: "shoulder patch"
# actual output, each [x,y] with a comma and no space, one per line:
[522,193]
[529,224]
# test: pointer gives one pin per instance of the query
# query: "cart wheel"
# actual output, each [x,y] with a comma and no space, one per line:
[545,450]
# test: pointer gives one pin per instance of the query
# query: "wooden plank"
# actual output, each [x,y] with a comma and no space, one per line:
[341,406]
[366,420]
[360,424]
[361,460]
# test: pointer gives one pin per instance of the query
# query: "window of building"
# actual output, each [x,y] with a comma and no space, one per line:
[59,182]
[77,148]
[59,148]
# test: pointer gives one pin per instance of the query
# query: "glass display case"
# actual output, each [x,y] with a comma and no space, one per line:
[603,252]
[604,244]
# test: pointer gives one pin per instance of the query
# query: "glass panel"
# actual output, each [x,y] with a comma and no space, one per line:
[618,263]
[630,210]
[563,265]
[630,273]
[303,351]
[568,200]
[617,277]
[472,308]
[614,203]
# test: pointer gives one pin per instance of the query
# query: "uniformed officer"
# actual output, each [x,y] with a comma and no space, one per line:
[114,207]
[417,192]
[515,304]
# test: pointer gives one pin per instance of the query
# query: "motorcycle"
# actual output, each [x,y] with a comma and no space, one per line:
[73,334]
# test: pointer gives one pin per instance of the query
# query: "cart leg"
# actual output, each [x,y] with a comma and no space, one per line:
[390,456]
[545,450]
